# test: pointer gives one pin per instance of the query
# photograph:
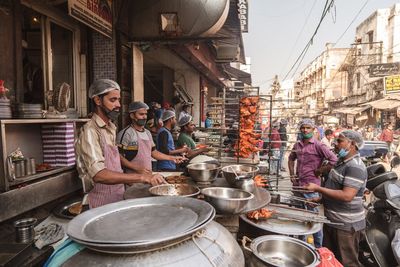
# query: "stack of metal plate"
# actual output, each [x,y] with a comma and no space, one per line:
[138,225]
[5,109]
[28,111]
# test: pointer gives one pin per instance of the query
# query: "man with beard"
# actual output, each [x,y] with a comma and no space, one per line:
[165,141]
[136,143]
[98,160]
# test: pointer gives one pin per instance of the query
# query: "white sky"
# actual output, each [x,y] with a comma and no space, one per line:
[276,25]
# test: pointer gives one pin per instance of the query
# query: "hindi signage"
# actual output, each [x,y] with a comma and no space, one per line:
[382,70]
[243,9]
[392,84]
[97,14]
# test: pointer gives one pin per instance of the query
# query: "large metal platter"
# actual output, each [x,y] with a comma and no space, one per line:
[261,198]
[140,221]
[284,226]
[135,248]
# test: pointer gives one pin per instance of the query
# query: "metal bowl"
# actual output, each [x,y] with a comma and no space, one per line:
[203,172]
[279,250]
[183,190]
[227,200]
[242,172]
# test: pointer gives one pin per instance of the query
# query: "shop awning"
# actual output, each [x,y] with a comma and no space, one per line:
[237,74]
[384,104]
[362,118]
[351,110]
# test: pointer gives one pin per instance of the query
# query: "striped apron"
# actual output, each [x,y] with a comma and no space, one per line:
[103,194]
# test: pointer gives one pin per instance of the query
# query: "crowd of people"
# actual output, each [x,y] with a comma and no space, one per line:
[107,160]
[335,175]
[324,161]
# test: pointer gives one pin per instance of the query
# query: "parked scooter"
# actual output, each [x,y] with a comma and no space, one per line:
[381,245]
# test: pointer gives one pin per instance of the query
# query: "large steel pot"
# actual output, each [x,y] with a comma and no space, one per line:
[203,172]
[232,173]
[216,244]
[227,200]
[279,250]
[182,190]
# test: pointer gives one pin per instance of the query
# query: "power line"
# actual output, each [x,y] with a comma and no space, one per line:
[359,12]
[327,7]
[298,36]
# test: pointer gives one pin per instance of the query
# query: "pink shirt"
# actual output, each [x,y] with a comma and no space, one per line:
[309,157]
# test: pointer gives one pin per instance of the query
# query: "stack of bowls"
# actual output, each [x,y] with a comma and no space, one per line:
[28,111]
[5,109]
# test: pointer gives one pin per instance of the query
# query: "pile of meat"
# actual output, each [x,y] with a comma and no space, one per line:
[248,139]
[260,214]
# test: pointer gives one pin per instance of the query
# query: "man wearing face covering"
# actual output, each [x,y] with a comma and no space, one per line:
[342,196]
[136,143]
[98,160]
[309,154]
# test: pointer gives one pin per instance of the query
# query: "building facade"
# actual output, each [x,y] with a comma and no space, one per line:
[321,82]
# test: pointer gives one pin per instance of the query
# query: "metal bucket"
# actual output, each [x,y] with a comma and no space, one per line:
[278,250]
[24,230]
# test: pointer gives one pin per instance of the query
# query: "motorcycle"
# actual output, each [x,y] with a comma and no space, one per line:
[381,243]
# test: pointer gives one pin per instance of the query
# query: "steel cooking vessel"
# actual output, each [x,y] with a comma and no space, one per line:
[203,172]
[227,200]
[215,244]
[182,190]
[279,250]
[232,173]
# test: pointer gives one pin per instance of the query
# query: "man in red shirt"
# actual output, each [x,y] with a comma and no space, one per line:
[387,136]
[275,145]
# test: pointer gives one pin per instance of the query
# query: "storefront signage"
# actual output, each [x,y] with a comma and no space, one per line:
[243,9]
[97,14]
[381,70]
[392,84]
[350,119]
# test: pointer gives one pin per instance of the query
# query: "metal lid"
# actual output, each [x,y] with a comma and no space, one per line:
[140,221]
[284,226]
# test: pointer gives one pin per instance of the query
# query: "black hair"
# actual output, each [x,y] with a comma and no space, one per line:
[328,132]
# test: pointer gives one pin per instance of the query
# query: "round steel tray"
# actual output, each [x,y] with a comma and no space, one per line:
[261,198]
[284,226]
[135,248]
[140,221]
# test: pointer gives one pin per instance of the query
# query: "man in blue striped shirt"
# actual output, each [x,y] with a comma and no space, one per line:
[342,197]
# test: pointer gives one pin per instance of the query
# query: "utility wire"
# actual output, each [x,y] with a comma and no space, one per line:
[327,7]
[351,23]
[298,36]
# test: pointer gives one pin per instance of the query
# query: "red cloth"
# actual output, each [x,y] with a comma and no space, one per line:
[328,258]
[387,135]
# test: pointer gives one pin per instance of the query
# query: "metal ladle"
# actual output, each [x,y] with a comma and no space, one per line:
[236,175]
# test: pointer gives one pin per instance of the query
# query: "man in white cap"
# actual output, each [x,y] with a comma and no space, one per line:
[136,143]
[185,137]
[342,196]
[165,141]
[98,160]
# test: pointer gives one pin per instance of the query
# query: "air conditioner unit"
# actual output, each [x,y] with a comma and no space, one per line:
[227,53]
